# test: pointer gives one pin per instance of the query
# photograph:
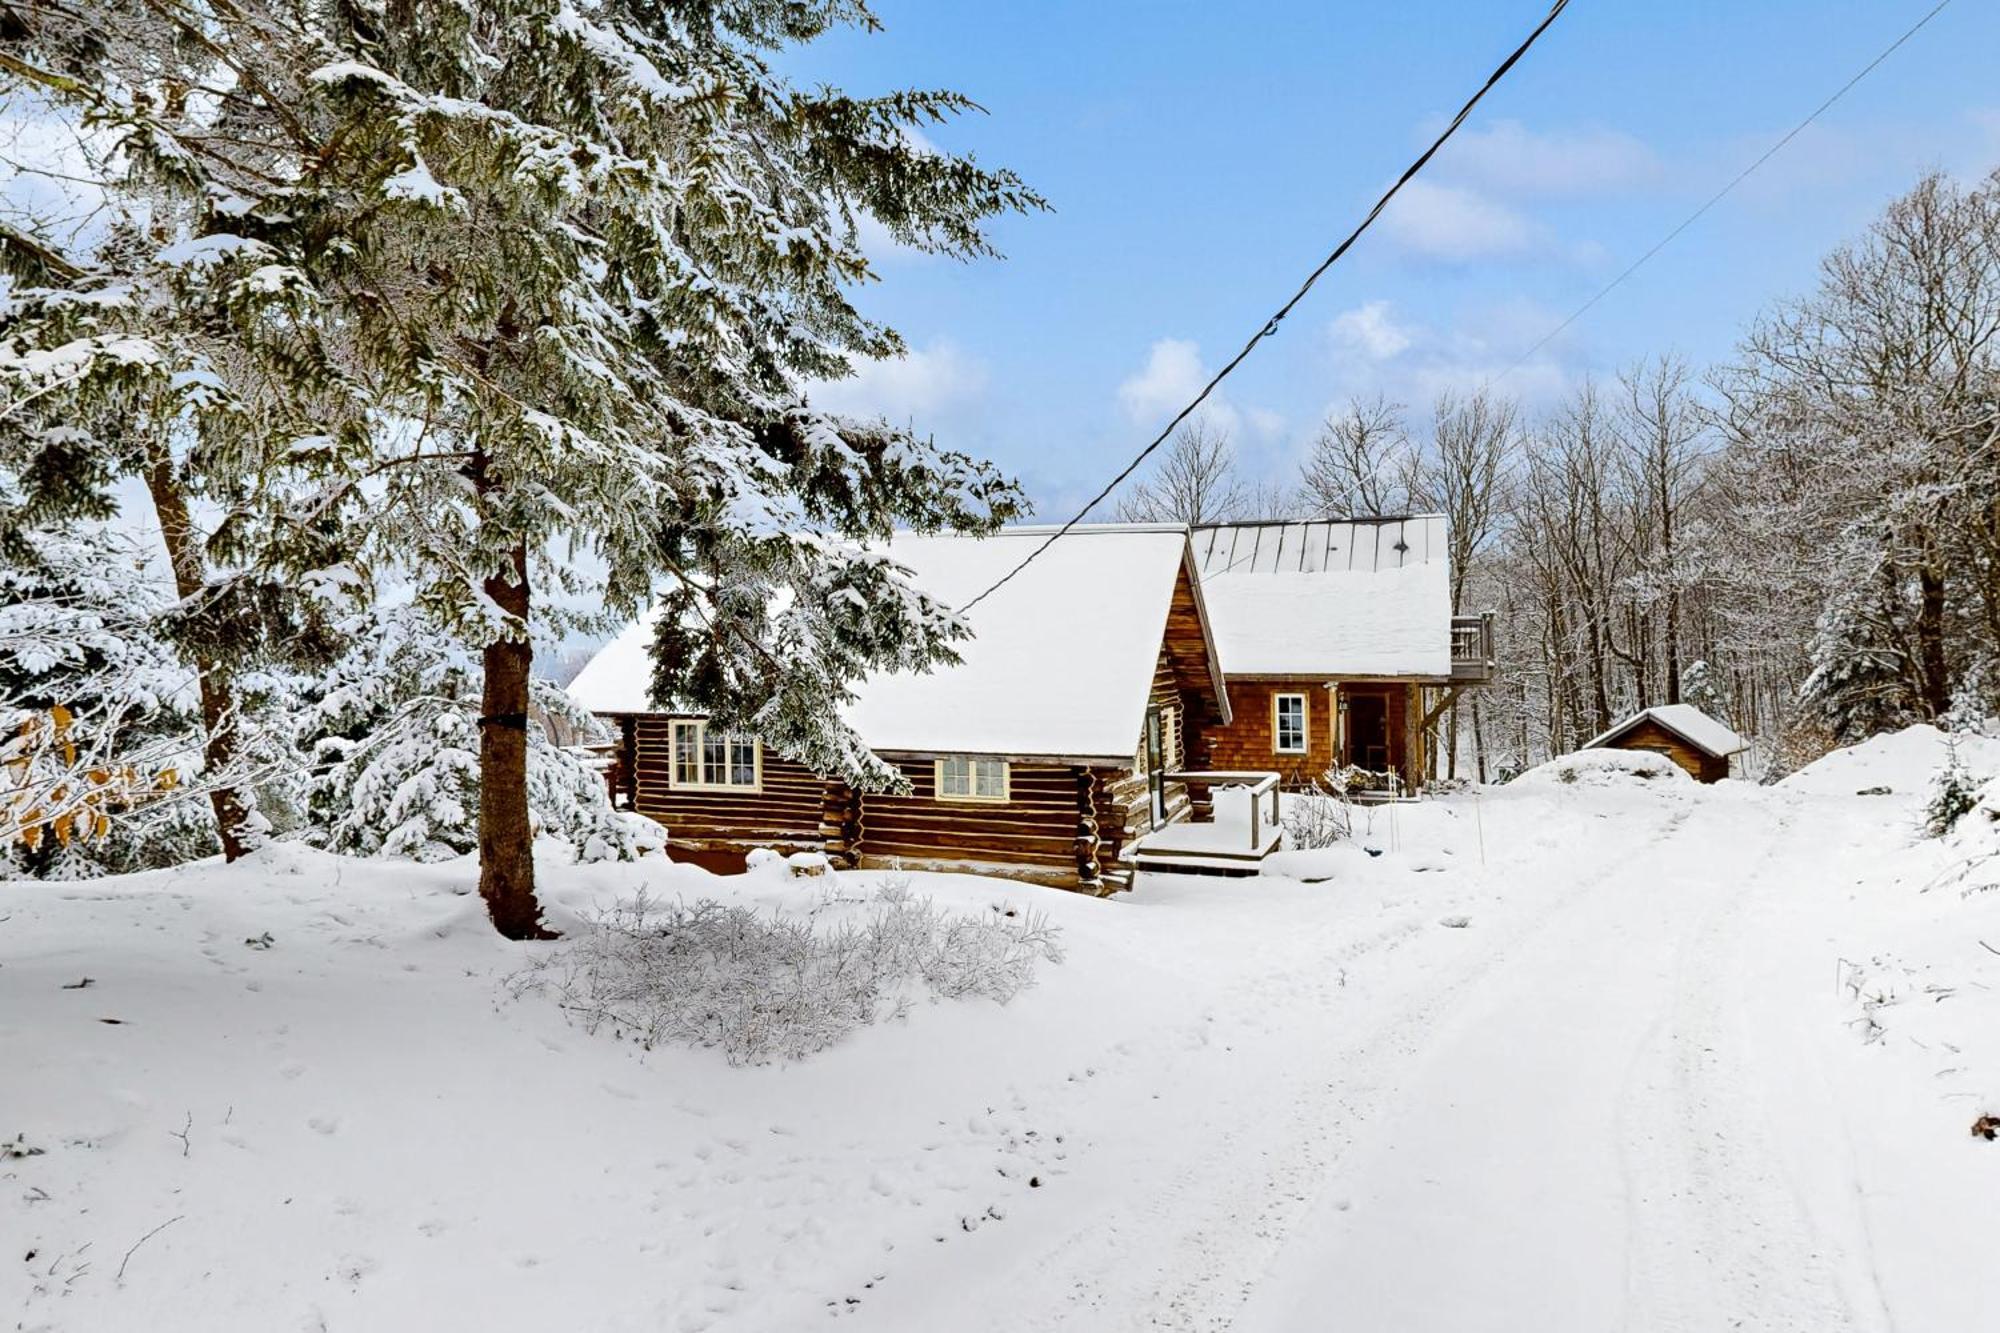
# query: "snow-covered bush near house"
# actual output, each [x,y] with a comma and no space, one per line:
[782,985]
[393,736]
[1315,819]
[1603,768]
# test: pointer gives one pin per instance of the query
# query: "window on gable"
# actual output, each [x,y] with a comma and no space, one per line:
[964,777]
[1288,723]
[715,760]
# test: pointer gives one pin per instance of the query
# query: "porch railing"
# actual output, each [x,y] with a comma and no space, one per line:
[1263,787]
[1472,655]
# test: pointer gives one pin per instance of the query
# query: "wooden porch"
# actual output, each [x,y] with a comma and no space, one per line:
[1242,828]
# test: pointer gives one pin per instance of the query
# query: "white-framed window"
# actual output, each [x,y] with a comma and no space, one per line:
[707,760]
[965,777]
[1288,723]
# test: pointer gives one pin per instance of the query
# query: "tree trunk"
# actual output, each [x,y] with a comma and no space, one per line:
[506,840]
[1936,680]
[218,695]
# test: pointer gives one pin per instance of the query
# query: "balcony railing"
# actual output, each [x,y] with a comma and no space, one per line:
[1472,647]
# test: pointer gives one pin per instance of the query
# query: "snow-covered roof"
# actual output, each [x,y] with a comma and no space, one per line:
[1685,721]
[1340,597]
[1061,660]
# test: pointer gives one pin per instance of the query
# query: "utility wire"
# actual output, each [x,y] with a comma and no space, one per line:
[1718,196]
[1270,327]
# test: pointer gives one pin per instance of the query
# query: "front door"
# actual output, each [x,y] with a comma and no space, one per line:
[1368,731]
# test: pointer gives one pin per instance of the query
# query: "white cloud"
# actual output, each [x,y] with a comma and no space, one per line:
[1511,159]
[1411,362]
[1172,376]
[925,383]
[1266,423]
[1369,331]
[1456,223]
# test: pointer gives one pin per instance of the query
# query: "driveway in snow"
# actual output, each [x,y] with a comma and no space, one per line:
[1611,1110]
[1562,1059]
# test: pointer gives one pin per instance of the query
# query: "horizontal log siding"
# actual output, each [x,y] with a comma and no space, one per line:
[1037,827]
[1650,735]
[786,814]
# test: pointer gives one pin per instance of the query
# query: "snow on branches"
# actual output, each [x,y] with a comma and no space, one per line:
[391,736]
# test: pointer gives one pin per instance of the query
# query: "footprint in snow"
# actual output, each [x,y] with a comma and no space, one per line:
[324,1124]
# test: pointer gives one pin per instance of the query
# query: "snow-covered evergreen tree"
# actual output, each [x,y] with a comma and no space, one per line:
[509,281]
[392,739]
[100,749]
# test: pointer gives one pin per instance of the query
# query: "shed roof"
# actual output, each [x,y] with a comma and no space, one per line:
[1686,721]
[1334,597]
[1061,660]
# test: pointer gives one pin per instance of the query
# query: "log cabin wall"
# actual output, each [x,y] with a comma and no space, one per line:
[787,813]
[1650,735]
[1062,824]
[1036,828]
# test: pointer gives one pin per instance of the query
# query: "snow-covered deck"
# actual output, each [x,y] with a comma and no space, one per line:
[1244,831]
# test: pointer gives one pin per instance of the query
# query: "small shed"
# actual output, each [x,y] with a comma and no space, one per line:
[1681,732]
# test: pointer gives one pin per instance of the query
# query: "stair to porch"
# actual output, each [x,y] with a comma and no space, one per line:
[1243,831]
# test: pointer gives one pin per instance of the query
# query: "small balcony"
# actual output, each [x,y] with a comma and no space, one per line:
[1472,648]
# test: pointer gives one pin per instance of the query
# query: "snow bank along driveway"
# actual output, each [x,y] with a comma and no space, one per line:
[1685,1059]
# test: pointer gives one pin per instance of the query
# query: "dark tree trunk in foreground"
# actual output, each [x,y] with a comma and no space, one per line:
[218,701]
[506,841]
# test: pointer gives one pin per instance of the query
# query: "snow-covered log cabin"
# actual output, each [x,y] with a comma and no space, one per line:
[1333,634]
[1042,755]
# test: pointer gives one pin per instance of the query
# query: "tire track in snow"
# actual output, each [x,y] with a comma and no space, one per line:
[1718,1237]
[1185,1246]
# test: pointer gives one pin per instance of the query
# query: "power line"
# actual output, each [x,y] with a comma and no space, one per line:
[1718,196]
[1515,464]
[1270,327]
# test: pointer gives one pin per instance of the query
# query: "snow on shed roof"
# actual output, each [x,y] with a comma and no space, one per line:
[1336,597]
[1684,720]
[1061,660]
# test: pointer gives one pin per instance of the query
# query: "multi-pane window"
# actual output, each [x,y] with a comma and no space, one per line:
[964,777]
[714,759]
[1288,723]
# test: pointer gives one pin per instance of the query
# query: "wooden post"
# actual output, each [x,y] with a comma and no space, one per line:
[1089,874]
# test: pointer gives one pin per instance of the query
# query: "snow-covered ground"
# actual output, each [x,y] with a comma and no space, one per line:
[1591,1054]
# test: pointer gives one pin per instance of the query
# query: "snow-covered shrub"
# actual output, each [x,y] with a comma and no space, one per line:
[1317,818]
[782,986]
[1604,768]
[394,741]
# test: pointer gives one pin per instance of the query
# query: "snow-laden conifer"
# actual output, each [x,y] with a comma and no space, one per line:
[514,295]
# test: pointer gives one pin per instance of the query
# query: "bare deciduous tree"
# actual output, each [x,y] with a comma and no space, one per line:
[1196,481]
[1360,462]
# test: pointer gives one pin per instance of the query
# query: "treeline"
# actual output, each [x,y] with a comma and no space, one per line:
[1803,539]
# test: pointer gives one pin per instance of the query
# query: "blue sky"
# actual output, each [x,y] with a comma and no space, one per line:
[1201,158]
